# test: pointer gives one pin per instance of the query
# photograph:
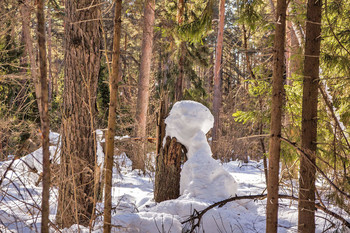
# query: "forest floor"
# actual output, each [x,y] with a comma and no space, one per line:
[135,211]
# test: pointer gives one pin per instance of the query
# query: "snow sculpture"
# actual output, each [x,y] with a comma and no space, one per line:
[201,176]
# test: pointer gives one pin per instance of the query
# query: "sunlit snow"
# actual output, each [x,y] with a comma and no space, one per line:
[203,181]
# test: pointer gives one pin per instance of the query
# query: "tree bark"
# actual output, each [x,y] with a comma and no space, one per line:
[217,77]
[180,77]
[113,86]
[306,209]
[276,118]
[76,201]
[167,180]
[293,55]
[168,164]
[49,51]
[143,84]
[29,48]
[44,116]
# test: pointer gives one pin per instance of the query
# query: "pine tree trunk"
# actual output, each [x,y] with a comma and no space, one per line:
[143,84]
[76,202]
[113,87]
[217,77]
[294,61]
[180,78]
[306,208]
[44,116]
[276,118]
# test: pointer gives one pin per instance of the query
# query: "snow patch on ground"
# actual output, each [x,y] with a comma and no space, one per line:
[134,209]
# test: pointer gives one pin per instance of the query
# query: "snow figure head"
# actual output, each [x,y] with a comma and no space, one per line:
[188,122]
[201,176]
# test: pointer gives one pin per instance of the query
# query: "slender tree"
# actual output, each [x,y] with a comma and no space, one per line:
[217,76]
[180,78]
[25,10]
[306,208]
[49,51]
[77,194]
[276,118]
[44,116]
[143,84]
[113,87]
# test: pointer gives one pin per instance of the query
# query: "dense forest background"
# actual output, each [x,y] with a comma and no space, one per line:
[187,61]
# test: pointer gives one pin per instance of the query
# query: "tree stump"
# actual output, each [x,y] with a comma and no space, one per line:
[167,180]
[168,164]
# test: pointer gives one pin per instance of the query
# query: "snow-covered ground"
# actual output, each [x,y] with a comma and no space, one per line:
[133,207]
[135,211]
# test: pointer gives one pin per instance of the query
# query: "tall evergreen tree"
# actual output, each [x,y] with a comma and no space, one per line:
[77,196]
[217,76]
[143,83]
[182,46]
[306,208]
[276,118]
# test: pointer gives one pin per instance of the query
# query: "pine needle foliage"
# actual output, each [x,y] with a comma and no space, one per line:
[199,27]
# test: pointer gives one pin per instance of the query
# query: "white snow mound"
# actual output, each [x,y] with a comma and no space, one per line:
[201,176]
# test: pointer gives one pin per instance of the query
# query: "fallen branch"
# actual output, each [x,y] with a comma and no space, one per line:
[197,215]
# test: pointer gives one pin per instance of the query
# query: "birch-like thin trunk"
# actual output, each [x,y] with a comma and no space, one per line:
[306,207]
[113,86]
[143,84]
[44,116]
[276,118]
[217,76]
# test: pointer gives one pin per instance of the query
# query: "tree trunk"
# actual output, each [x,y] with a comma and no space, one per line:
[49,51]
[168,165]
[76,201]
[217,78]
[44,116]
[294,63]
[306,208]
[276,118]
[167,180]
[26,18]
[180,77]
[143,84]
[113,87]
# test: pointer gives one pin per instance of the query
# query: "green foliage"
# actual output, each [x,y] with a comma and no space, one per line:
[196,95]
[196,30]
[256,89]
[10,53]
[102,100]
[250,12]
[336,39]
[197,21]
[244,117]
